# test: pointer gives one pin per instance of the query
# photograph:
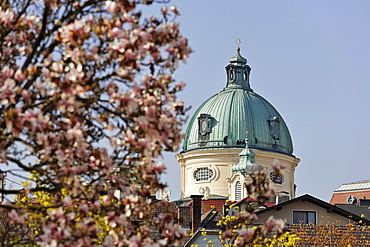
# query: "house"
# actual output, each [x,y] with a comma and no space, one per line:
[350,193]
[314,221]
[318,223]
[307,209]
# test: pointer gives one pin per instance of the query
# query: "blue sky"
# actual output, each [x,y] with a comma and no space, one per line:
[310,59]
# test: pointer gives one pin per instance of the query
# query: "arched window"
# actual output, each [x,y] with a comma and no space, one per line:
[238,191]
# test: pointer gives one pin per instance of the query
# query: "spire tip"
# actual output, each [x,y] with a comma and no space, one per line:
[238,42]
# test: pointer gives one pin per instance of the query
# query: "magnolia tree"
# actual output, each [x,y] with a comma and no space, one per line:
[88,102]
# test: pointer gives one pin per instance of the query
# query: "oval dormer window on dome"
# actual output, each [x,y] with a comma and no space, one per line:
[204,128]
[203,174]
[274,128]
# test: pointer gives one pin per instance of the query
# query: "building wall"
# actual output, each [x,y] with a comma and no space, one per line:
[286,213]
[220,161]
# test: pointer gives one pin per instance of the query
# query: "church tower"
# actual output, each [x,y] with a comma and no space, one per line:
[216,148]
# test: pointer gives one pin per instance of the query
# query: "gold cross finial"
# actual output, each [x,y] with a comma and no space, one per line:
[238,43]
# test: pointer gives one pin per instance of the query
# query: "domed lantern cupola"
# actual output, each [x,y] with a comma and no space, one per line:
[238,71]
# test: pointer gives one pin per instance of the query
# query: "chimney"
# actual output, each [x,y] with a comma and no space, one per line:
[225,208]
[196,212]
[364,202]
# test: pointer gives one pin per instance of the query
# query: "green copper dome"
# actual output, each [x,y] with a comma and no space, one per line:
[223,119]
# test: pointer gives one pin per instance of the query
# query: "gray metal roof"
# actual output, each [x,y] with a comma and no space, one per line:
[359,185]
[355,209]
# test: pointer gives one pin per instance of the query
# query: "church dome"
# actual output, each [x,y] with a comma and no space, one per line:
[223,120]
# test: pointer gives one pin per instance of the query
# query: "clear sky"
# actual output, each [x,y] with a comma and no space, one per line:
[309,59]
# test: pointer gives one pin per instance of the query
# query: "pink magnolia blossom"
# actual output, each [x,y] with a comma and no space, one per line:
[174,10]
[253,170]
[6,16]
[6,72]
[111,6]
[87,112]
[276,165]
[14,216]
[156,168]
[246,234]
[67,201]
[8,91]
[164,10]
[273,224]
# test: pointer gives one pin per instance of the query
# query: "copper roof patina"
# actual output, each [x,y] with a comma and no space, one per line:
[223,119]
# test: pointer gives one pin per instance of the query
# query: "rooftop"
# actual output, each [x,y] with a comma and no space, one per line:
[359,185]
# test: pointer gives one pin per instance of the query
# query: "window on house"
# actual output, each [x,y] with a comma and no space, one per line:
[202,174]
[304,217]
[238,190]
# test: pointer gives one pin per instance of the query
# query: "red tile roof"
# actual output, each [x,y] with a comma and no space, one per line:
[341,197]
